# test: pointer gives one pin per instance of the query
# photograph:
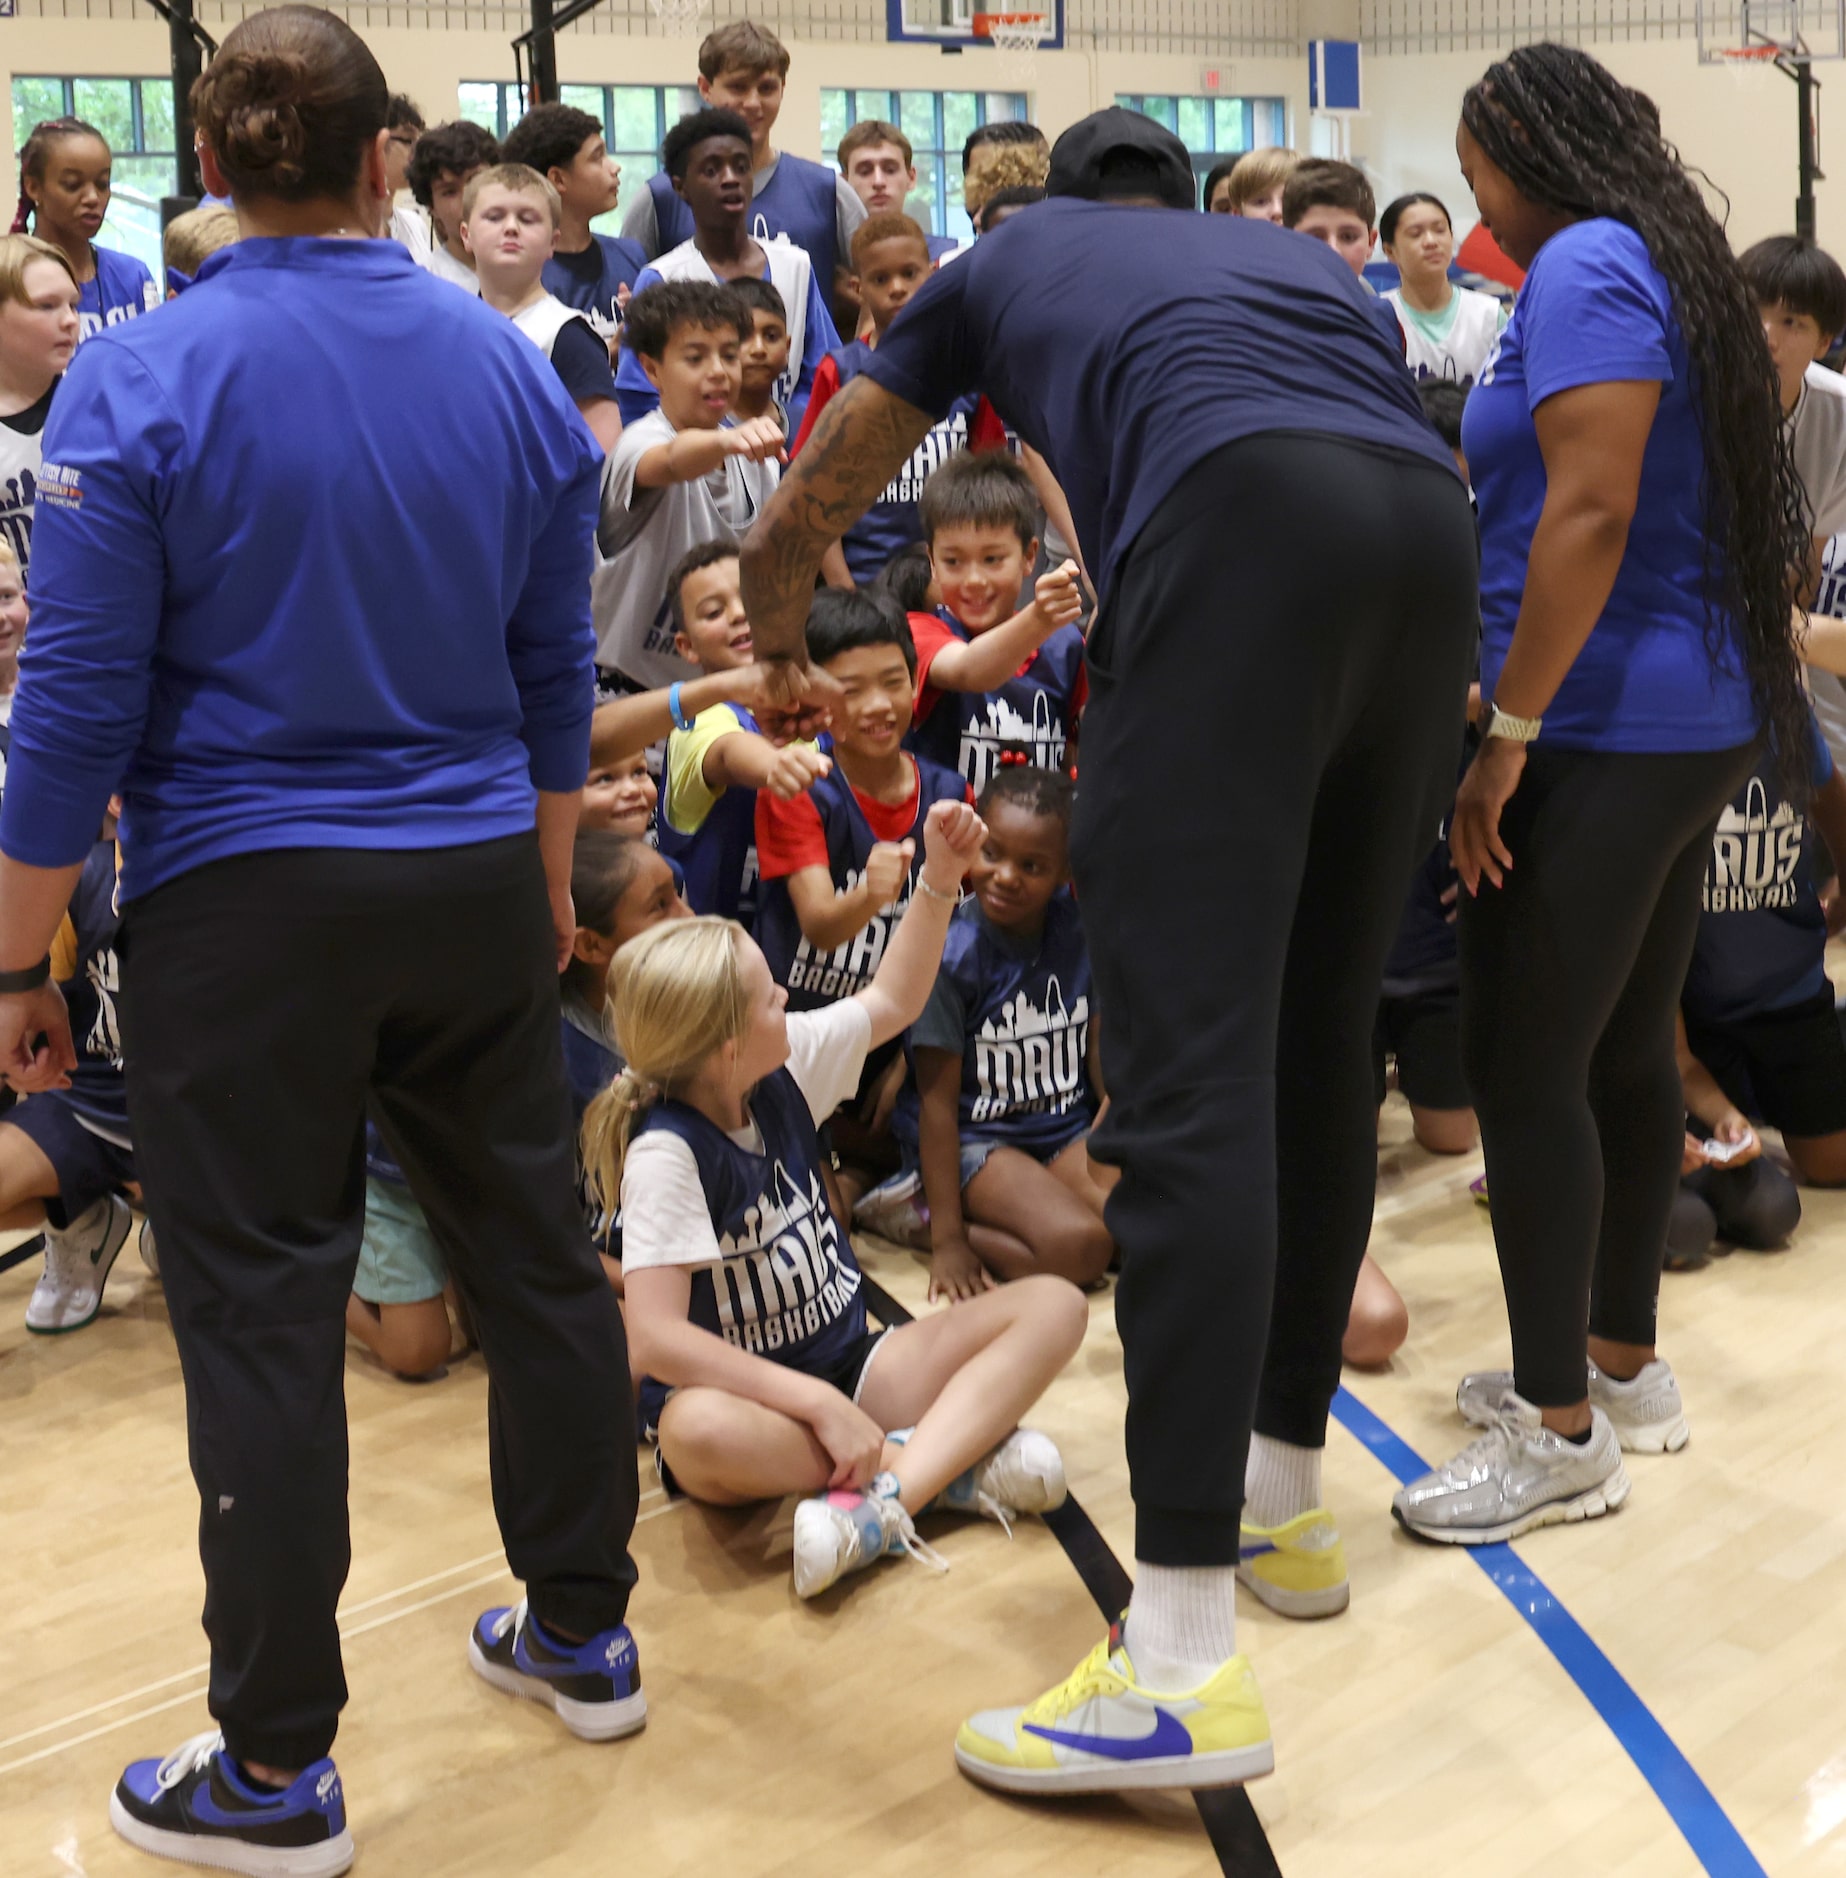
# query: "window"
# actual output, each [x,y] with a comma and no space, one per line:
[1211,128]
[635,118]
[135,116]
[937,124]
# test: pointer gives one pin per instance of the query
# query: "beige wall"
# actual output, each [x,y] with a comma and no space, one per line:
[430,64]
[1740,129]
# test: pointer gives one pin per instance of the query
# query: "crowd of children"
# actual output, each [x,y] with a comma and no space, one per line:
[845,979]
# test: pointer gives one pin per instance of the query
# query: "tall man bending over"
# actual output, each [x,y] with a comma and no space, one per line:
[1238,408]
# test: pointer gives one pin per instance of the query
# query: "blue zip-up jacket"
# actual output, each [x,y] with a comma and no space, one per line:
[311,568]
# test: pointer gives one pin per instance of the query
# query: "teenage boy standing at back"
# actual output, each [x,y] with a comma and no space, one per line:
[593,273]
[743,67]
[1334,203]
[877,161]
[440,167]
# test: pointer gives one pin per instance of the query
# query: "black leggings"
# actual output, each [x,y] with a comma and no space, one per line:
[1570,976]
[1267,754]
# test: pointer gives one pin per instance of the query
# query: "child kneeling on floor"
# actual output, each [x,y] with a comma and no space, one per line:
[746,1314]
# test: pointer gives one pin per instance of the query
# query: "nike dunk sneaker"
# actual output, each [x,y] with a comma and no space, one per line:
[1101,1732]
[843,1531]
[594,1686]
[199,1807]
[1298,1569]
[1646,1412]
[1517,1474]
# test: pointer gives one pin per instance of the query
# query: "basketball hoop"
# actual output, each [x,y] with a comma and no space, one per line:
[678,16]
[1017,38]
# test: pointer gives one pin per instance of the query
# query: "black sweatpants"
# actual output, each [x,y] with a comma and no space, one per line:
[1277,690]
[266,999]
[1570,975]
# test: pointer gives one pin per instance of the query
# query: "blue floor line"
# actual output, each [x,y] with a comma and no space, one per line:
[1703,1823]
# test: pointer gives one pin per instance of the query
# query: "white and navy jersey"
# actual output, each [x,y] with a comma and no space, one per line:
[21,453]
[800,201]
[1762,935]
[818,978]
[717,861]
[1457,351]
[786,1286]
[893,522]
[1829,692]
[1033,715]
[121,289]
[85,964]
[1020,1018]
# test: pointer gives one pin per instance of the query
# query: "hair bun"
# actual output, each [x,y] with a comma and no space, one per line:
[261,133]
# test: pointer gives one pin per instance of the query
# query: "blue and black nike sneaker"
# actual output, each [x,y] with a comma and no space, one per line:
[595,1686]
[197,1806]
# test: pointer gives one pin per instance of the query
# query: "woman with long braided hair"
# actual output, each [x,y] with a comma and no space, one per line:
[1640,525]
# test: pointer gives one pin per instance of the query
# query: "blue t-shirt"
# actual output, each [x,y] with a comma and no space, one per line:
[1762,935]
[591,279]
[122,289]
[297,582]
[1018,1014]
[1127,344]
[1595,310]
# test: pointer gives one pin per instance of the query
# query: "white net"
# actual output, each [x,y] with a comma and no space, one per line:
[678,16]
[1017,38]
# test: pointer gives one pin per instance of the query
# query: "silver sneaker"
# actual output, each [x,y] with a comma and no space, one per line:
[1514,1476]
[69,1292]
[1646,1413]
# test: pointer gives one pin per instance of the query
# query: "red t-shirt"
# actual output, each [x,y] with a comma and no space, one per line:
[931,633]
[789,836]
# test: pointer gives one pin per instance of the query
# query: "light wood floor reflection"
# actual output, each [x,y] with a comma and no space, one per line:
[1427,1731]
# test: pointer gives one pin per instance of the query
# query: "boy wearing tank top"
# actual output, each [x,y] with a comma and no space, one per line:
[510,217]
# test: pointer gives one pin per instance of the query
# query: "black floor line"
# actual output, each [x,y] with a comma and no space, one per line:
[1231,1823]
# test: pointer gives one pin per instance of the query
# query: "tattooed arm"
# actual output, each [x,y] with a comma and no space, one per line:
[862,439]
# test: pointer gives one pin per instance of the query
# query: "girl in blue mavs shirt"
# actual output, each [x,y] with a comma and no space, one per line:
[1005,1092]
[744,1302]
[64,197]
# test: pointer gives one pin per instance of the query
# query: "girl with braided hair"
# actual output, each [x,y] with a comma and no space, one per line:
[64,171]
[1641,529]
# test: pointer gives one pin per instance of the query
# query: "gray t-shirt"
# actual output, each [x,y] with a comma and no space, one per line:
[643,533]
[643,225]
[1817,437]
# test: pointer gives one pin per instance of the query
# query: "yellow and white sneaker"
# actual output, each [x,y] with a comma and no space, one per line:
[1101,1732]
[1297,1569]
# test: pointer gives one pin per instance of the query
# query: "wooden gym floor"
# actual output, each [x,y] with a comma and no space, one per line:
[1426,1731]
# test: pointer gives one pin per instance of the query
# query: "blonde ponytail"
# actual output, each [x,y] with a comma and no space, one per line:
[676,996]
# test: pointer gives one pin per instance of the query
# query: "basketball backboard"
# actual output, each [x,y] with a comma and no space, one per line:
[952,22]
[1730,29]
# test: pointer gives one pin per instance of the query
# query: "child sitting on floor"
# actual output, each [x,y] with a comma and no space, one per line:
[995,679]
[746,1315]
[621,888]
[1006,1088]
[1728,1189]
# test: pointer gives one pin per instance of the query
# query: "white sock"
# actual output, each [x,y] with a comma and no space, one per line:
[1280,1483]
[1182,1624]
